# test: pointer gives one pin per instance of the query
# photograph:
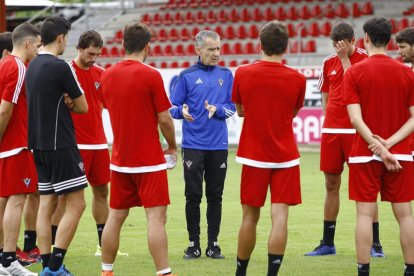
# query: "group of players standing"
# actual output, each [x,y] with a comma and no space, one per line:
[51,133]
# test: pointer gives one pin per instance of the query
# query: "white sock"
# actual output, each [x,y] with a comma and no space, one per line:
[164,271]
[107,267]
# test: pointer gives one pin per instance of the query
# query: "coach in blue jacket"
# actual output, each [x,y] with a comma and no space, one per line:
[201,96]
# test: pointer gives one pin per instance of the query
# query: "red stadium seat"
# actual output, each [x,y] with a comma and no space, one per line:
[313,29]
[119,36]
[185,64]
[146,19]
[302,30]
[310,47]
[225,49]
[257,15]
[280,14]
[156,50]
[394,25]
[253,32]
[162,35]
[199,18]
[245,15]
[291,30]
[221,63]
[367,8]
[237,48]
[220,32]
[104,52]
[204,3]
[326,28]
[168,50]
[292,13]
[230,34]
[403,23]
[153,64]
[178,18]
[242,32]
[179,50]
[108,65]
[234,15]
[268,14]
[164,64]
[244,61]
[329,11]
[294,47]
[195,31]
[215,3]
[193,4]
[189,19]
[115,52]
[342,11]
[356,12]
[184,34]
[222,16]
[360,43]
[173,34]
[211,17]
[249,48]
[392,45]
[156,20]
[190,50]
[174,64]
[305,13]
[167,20]
[317,11]
[233,63]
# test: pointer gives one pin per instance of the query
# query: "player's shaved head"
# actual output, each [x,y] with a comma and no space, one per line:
[24,32]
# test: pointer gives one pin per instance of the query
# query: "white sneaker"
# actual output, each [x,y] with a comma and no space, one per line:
[3,271]
[16,269]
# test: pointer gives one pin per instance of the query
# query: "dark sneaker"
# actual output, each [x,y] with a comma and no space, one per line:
[192,252]
[62,271]
[322,250]
[214,251]
[376,250]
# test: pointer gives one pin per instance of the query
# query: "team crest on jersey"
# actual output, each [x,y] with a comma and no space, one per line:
[220,81]
[81,166]
[97,85]
[27,181]
[188,163]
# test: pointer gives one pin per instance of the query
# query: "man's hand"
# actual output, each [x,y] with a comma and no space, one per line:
[186,113]
[390,162]
[342,49]
[210,108]
[171,157]
[68,101]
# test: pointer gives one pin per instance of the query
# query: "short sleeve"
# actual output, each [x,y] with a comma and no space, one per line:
[14,82]
[70,81]
[350,92]
[411,99]
[302,92]
[159,96]
[236,97]
[323,84]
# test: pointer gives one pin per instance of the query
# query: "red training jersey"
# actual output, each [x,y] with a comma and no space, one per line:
[90,134]
[134,94]
[269,93]
[385,90]
[12,90]
[330,81]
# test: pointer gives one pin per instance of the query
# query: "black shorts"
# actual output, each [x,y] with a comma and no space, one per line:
[60,171]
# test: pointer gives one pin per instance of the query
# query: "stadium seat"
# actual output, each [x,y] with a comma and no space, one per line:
[179,50]
[356,12]
[153,64]
[108,65]
[204,3]
[244,61]
[156,50]
[253,32]
[190,50]
[280,13]
[104,52]
[184,34]
[164,64]
[146,19]
[215,3]
[403,23]
[314,29]
[237,48]
[115,52]
[292,13]
[193,4]
[326,28]
[229,33]
[250,49]
[222,16]
[233,63]
[268,14]
[211,17]
[194,32]
[167,20]
[257,15]
[221,63]
[174,64]
[393,22]
[291,30]
[329,11]
[317,11]
[302,30]
[234,15]
[185,64]
[305,13]
[173,34]
[294,47]
[360,43]
[156,20]
[225,49]
[199,18]
[162,35]
[189,19]
[242,32]
[119,36]
[310,47]
[367,8]
[168,50]
[245,15]
[392,45]
[342,11]
[220,32]
[178,18]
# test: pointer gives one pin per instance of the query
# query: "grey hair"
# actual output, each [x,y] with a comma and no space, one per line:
[202,35]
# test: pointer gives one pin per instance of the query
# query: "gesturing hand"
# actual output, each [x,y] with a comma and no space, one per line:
[210,108]
[186,113]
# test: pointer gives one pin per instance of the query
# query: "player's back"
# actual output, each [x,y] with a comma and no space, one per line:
[270,93]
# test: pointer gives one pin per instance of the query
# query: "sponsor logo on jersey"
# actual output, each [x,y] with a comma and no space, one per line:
[97,85]
[199,81]
[333,73]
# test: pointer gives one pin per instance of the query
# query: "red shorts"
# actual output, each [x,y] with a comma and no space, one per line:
[139,189]
[18,174]
[335,149]
[96,163]
[367,179]
[284,185]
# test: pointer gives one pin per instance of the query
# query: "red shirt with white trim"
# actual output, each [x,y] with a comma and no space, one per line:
[134,95]
[269,93]
[385,90]
[330,81]
[12,90]
[89,129]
